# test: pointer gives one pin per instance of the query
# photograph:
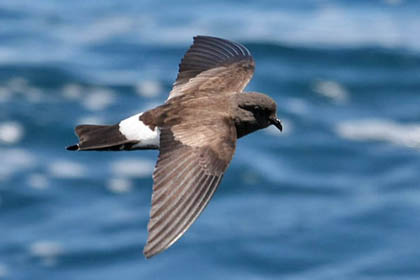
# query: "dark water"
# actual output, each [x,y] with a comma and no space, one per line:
[336,196]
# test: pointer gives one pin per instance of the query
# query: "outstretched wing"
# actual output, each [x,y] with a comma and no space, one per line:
[213,65]
[191,164]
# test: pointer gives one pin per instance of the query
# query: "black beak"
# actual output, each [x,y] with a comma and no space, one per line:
[277,123]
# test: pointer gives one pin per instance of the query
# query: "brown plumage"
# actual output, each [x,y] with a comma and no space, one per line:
[205,113]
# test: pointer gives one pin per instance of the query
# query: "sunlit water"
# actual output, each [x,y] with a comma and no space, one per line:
[335,196]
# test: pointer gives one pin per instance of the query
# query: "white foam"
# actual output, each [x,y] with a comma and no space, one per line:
[119,185]
[14,160]
[381,130]
[38,181]
[20,86]
[48,251]
[11,132]
[98,99]
[388,30]
[46,248]
[90,120]
[133,168]
[332,90]
[66,169]
[149,88]
[150,26]
[356,28]
[72,91]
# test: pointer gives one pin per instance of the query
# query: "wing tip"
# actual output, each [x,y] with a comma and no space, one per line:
[147,254]
[244,52]
[151,251]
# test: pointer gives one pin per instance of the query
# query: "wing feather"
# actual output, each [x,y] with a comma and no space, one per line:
[185,179]
[213,64]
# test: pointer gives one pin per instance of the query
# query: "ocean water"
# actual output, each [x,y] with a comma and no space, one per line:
[335,196]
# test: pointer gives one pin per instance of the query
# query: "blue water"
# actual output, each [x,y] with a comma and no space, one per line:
[336,196]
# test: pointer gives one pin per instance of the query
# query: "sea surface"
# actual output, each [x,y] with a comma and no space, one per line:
[335,196]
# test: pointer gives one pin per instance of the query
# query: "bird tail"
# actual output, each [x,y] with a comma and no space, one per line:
[101,138]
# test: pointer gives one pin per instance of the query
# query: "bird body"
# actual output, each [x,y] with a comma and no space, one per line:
[195,131]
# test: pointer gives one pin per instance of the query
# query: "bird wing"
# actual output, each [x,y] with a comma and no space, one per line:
[213,64]
[192,160]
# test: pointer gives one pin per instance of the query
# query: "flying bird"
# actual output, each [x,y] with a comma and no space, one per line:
[195,131]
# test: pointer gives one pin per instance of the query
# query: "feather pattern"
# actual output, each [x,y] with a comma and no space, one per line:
[213,64]
[185,179]
[195,131]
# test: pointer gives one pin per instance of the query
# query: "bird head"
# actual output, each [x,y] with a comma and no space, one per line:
[255,111]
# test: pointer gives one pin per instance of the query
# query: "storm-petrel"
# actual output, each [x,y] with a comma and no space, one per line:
[195,131]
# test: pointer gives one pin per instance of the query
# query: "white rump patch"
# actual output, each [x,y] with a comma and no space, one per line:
[134,129]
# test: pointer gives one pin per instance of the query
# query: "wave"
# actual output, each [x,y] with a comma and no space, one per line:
[407,135]
[321,25]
